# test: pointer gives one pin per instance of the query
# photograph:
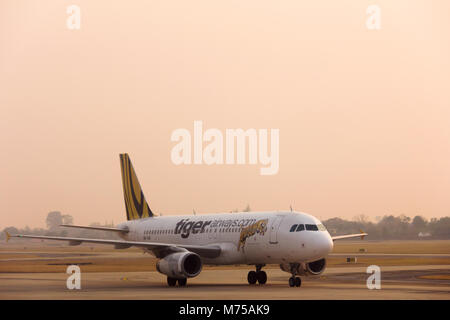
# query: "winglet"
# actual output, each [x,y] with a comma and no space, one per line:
[362,237]
[8,236]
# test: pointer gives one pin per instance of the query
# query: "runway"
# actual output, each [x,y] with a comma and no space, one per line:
[409,270]
[335,283]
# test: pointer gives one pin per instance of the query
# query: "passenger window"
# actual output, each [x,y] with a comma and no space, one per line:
[311,227]
[300,227]
[293,228]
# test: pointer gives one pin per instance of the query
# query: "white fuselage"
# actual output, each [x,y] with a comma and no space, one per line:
[244,238]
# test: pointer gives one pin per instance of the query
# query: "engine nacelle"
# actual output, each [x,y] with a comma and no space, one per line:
[180,265]
[303,269]
[316,267]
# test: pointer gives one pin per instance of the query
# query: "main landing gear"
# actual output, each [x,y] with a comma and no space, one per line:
[294,281]
[172,282]
[257,276]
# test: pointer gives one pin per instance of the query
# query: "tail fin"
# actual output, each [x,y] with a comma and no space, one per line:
[137,207]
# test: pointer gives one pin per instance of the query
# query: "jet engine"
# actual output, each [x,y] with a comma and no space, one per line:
[303,269]
[180,265]
[316,267]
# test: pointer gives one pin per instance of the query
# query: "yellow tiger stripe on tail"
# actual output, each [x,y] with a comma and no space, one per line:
[135,203]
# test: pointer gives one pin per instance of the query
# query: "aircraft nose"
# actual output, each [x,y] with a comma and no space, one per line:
[326,243]
[330,242]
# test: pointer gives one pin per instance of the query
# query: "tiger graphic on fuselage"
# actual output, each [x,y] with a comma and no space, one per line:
[259,226]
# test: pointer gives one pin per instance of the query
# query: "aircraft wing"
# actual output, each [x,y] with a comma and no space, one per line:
[160,250]
[125,230]
[355,235]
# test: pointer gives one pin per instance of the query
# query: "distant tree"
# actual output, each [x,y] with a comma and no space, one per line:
[361,218]
[404,219]
[440,228]
[54,220]
[419,223]
[247,208]
[338,226]
[10,230]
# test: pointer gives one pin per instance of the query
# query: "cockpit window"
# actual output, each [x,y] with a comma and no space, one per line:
[293,228]
[321,227]
[311,227]
[300,227]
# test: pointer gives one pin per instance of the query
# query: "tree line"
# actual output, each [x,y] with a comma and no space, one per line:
[388,227]
[391,227]
[54,221]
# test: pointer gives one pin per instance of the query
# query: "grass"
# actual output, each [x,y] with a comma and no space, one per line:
[392,246]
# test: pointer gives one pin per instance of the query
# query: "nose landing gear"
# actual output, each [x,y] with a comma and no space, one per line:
[257,276]
[294,281]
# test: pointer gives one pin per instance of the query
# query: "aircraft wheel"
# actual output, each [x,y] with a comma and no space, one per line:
[261,277]
[291,282]
[252,277]
[171,281]
[182,282]
[298,282]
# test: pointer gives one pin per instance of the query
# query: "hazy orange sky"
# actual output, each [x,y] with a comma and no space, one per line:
[364,115]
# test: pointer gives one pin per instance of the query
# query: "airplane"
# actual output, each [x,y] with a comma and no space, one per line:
[297,241]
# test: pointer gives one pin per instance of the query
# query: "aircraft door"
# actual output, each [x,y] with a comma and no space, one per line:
[274,229]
